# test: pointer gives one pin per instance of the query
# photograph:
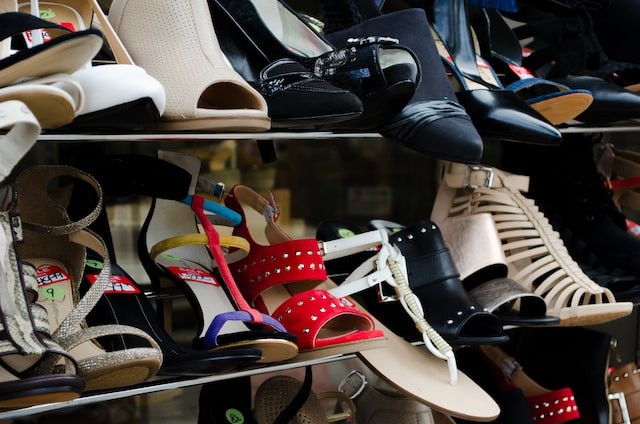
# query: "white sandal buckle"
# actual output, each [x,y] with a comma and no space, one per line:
[353,384]
[488,179]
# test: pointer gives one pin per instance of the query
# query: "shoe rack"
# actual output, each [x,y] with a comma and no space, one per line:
[407,171]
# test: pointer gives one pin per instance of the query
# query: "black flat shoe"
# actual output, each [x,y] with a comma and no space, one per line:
[433,122]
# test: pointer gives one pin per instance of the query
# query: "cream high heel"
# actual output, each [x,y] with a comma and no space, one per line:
[175,41]
[535,253]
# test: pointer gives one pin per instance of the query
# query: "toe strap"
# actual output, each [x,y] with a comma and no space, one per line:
[211,336]
[308,315]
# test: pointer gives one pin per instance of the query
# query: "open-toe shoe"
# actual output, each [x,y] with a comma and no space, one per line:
[284,278]
[35,370]
[477,252]
[203,91]
[174,252]
[125,302]
[117,95]
[434,279]
[427,374]
[55,100]
[56,247]
[535,253]
[521,399]
[65,52]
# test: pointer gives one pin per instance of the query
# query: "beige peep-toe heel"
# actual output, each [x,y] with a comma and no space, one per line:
[175,41]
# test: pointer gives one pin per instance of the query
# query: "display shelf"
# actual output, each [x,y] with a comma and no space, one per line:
[158,384]
[206,136]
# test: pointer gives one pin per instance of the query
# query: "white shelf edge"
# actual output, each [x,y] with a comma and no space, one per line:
[165,383]
[143,136]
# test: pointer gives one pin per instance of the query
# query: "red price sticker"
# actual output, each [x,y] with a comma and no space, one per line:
[118,284]
[51,274]
[195,275]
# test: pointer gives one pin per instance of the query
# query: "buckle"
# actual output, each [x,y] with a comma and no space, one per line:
[509,367]
[353,384]
[211,187]
[365,41]
[488,179]
[622,403]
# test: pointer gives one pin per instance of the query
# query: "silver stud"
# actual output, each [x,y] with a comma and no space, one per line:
[300,303]
[280,318]
[555,402]
[323,310]
[259,277]
[314,318]
[472,307]
[560,411]
[450,321]
[309,252]
[244,267]
[287,311]
[320,266]
[536,406]
[433,227]
[399,239]
[333,305]
[306,330]
[324,296]
[267,274]
[251,281]
[459,313]
[298,253]
[263,260]
[423,230]
[273,258]
[410,236]
[278,270]
[625,375]
[312,266]
[287,268]
[300,267]
[285,255]
[312,298]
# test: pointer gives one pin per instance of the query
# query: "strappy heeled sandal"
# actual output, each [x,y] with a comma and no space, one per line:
[284,278]
[120,95]
[56,247]
[34,369]
[434,278]
[522,399]
[477,252]
[536,255]
[416,371]
[125,302]
[174,252]
[66,51]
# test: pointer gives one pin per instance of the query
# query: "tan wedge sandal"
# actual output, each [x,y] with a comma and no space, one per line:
[175,41]
[535,253]
[56,246]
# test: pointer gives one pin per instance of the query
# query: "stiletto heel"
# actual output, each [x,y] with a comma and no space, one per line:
[175,252]
[125,302]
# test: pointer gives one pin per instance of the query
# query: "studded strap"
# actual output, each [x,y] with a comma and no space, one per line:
[306,314]
[282,263]
[555,407]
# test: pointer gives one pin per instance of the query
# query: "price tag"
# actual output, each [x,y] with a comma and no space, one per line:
[52,281]
[53,293]
[196,275]
[118,284]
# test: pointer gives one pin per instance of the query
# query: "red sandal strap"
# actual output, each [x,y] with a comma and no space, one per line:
[305,314]
[554,407]
[281,263]
[197,206]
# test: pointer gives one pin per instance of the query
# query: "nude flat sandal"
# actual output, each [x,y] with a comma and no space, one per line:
[175,41]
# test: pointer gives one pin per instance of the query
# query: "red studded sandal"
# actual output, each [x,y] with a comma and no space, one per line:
[287,279]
